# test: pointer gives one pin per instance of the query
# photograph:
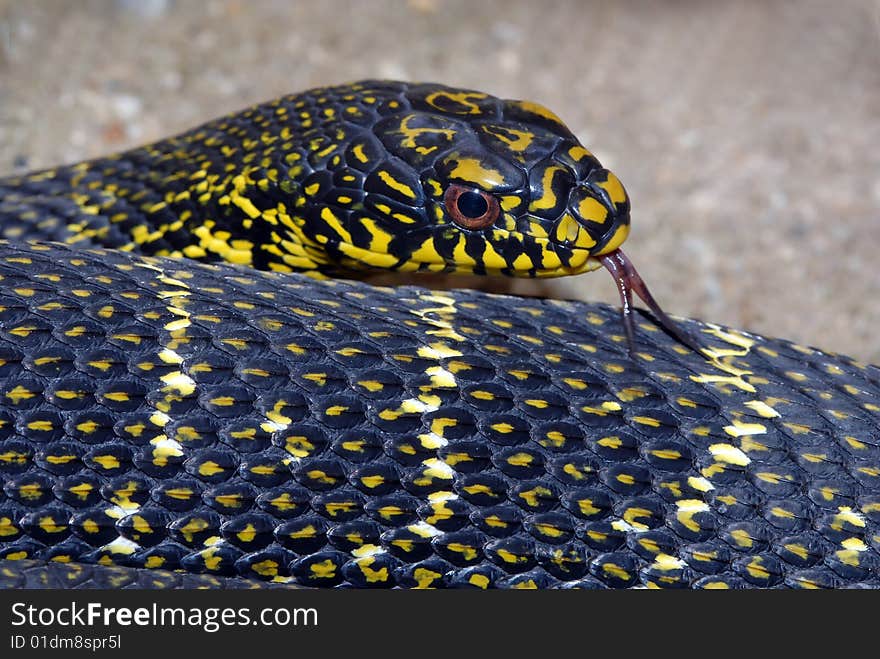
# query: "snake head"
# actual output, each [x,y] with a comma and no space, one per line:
[491,186]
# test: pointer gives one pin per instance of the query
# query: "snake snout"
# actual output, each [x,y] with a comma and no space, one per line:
[601,207]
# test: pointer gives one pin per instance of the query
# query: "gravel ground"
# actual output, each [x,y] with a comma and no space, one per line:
[746,132]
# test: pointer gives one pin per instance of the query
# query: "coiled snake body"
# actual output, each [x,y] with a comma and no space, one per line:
[165,422]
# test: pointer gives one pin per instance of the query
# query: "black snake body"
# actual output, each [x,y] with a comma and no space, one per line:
[165,422]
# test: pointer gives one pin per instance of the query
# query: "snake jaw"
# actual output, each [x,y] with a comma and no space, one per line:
[628,281]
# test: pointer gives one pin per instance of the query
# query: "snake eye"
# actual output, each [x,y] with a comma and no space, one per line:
[471,208]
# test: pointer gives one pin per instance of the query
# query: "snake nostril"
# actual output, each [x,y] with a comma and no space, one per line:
[593,207]
[593,210]
[608,188]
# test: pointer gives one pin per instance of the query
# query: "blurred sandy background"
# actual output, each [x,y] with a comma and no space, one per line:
[747,133]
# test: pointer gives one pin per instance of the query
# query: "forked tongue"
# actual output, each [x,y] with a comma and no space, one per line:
[628,280]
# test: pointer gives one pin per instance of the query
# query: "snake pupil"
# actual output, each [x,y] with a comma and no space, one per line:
[472,204]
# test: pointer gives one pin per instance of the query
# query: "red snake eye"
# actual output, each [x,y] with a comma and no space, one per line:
[471,208]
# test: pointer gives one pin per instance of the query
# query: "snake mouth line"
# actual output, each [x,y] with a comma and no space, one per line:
[578,261]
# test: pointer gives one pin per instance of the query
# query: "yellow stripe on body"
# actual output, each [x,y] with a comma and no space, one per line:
[333,223]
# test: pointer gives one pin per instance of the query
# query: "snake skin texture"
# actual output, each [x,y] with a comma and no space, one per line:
[166,422]
[211,419]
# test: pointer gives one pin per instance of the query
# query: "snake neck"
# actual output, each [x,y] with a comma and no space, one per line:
[228,190]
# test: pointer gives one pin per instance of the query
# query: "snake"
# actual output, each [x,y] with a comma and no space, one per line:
[199,387]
